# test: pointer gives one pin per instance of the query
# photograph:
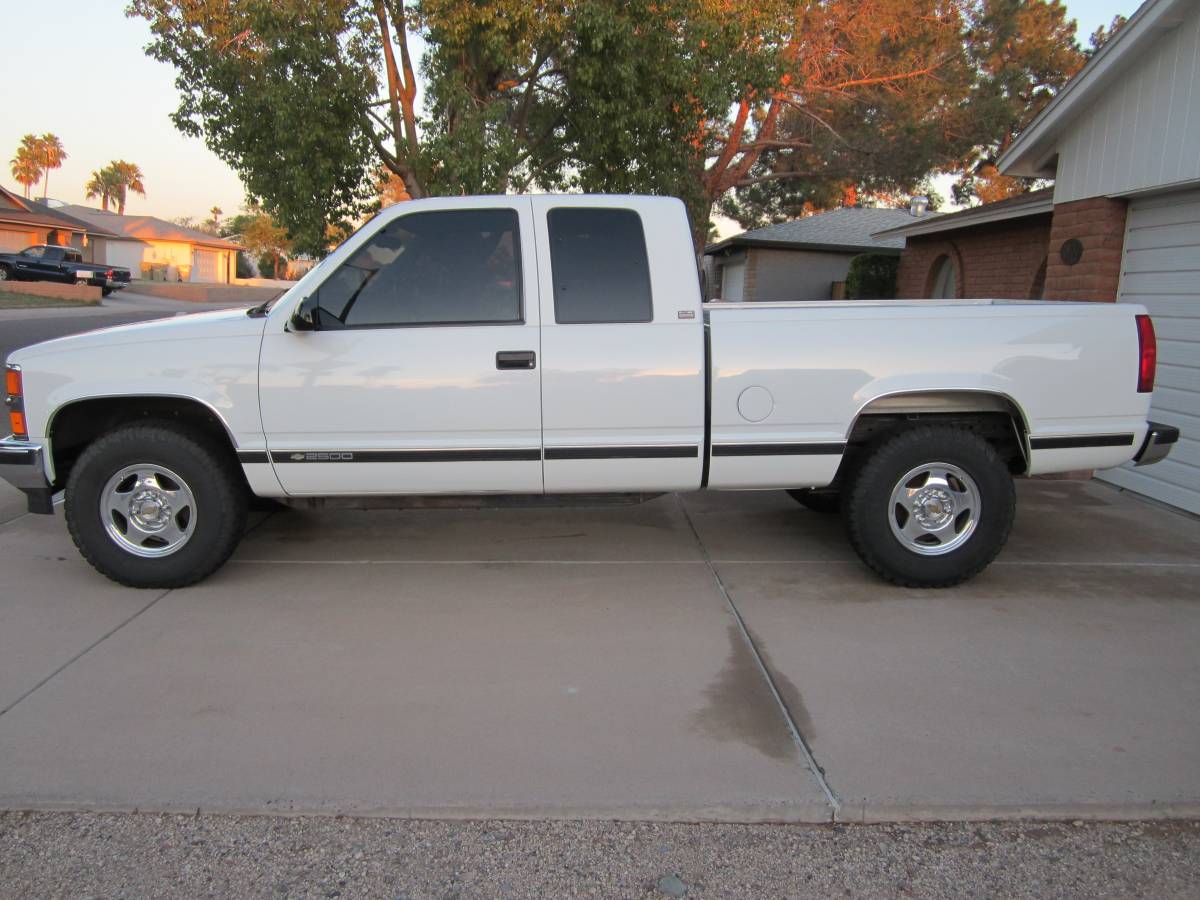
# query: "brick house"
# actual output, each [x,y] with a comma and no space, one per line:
[999,250]
[1122,222]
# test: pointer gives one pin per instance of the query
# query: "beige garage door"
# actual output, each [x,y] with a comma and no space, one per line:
[1161,271]
[205,265]
[16,241]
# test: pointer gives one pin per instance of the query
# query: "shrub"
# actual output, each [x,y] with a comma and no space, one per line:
[872,276]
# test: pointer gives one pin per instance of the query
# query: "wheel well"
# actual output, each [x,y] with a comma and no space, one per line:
[77,424]
[995,418]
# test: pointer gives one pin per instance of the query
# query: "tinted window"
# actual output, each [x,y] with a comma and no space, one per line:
[430,268]
[598,257]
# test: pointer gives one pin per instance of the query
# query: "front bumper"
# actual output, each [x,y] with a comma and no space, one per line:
[22,464]
[1159,440]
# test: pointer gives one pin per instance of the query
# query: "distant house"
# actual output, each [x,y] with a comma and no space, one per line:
[149,246]
[24,223]
[799,260]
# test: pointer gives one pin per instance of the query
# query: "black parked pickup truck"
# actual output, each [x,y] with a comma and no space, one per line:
[45,262]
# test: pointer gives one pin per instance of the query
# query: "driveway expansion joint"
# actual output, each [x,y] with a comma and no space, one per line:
[797,736]
[85,651]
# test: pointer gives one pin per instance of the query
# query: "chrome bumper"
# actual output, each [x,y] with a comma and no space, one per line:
[22,464]
[1158,443]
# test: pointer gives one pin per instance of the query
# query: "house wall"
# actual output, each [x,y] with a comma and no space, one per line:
[1144,132]
[793,274]
[1099,226]
[15,238]
[1001,260]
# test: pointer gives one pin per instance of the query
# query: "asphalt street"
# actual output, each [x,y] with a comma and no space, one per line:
[22,327]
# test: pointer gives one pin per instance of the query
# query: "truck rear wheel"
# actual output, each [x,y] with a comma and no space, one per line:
[155,506]
[930,507]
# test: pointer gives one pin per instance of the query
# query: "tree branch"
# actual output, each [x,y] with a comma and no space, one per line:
[772,176]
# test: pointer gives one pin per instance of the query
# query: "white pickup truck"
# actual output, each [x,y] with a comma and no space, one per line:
[559,345]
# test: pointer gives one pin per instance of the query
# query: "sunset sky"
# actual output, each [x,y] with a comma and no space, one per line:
[79,71]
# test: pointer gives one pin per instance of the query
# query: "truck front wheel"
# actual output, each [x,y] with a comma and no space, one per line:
[155,506]
[930,507]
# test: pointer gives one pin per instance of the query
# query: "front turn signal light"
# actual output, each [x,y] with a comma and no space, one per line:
[12,382]
[17,421]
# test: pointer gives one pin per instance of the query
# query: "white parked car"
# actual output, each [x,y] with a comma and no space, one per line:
[559,345]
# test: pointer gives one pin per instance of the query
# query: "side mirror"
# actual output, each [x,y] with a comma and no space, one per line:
[304,318]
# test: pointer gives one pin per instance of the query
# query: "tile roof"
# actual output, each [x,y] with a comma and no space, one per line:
[19,211]
[148,228]
[849,228]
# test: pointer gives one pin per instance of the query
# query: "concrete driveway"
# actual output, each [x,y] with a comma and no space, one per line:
[710,657]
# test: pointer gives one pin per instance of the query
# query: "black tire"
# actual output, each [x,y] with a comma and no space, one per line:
[867,510]
[826,502]
[208,472]
[106,292]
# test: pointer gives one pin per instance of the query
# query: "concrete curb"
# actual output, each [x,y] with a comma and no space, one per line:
[760,813]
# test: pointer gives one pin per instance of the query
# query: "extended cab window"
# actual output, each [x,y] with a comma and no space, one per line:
[431,268]
[601,273]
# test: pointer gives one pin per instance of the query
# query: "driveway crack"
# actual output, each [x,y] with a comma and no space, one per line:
[794,730]
[85,651]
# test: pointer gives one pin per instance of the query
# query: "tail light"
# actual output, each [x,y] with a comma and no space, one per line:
[1147,354]
[15,401]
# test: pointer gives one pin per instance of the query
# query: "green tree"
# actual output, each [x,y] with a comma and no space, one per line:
[128,177]
[25,165]
[103,186]
[50,155]
[765,105]
[265,239]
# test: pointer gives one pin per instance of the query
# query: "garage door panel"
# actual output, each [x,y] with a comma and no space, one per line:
[1182,330]
[1156,487]
[1180,283]
[15,241]
[1165,211]
[1161,270]
[1185,235]
[1162,259]
[1184,378]
[1179,307]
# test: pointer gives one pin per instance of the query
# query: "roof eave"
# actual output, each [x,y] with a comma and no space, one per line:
[1034,154]
[970,218]
[798,245]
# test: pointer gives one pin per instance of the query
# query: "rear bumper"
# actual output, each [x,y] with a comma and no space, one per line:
[22,464]
[1159,440]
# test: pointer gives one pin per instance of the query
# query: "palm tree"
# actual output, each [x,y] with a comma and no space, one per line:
[50,154]
[128,177]
[103,185]
[25,167]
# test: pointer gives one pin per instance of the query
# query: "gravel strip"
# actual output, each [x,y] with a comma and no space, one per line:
[138,855]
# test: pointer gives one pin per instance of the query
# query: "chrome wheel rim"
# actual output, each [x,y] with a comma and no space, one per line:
[934,509]
[148,510]
[3,274]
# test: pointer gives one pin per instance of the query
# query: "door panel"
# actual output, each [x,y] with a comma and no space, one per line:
[622,402]
[407,410]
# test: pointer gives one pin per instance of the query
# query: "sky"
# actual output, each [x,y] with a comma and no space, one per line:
[81,73]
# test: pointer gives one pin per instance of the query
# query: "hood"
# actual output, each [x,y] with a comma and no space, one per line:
[221,323]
